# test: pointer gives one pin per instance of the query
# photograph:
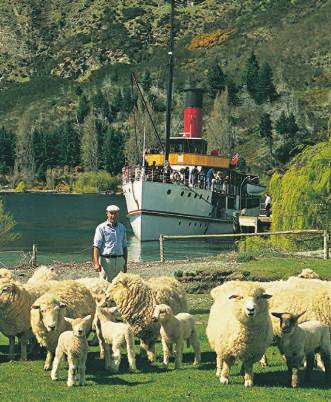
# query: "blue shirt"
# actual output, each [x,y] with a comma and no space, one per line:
[110,239]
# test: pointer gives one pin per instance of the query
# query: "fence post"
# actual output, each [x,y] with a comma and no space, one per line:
[326,245]
[34,255]
[161,249]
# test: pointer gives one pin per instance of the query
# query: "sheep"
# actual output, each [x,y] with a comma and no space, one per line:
[15,304]
[135,299]
[116,335]
[176,329]
[69,299]
[42,274]
[6,273]
[308,273]
[74,345]
[96,286]
[300,342]
[239,326]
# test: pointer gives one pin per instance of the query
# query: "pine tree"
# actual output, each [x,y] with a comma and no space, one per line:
[69,145]
[292,127]
[113,149]
[146,81]
[89,144]
[265,129]
[265,89]
[281,123]
[7,224]
[117,102]
[251,75]
[215,80]
[232,91]
[7,147]
[83,108]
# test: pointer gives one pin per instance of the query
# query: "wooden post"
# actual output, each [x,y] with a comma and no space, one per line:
[326,245]
[161,248]
[34,255]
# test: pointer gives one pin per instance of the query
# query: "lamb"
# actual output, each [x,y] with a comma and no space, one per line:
[300,342]
[68,299]
[176,329]
[135,299]
[116,335]
[74,345]
[239,326]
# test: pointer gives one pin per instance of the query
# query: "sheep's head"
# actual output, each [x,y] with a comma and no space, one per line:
[107,313]
[51,314]
[8,292]
[80,326]
[105,300]
[250,305]
[161,312]
[288,321]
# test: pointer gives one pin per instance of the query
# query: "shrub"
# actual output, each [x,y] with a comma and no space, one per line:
[253,246]
[21,187]
[95,182]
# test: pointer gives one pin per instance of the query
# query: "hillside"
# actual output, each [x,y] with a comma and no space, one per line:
[52,52]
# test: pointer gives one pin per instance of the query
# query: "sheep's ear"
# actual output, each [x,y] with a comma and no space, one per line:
[87,318]
[69,320]
[297,316]
[266,296]
[113,309]
[234,297]
[63,305]
[278,315]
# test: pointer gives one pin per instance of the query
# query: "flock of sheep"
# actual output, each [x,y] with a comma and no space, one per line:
[244,319]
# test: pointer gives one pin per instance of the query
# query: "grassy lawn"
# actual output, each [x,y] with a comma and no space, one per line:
[26,381]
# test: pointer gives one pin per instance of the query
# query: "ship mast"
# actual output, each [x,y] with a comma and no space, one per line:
[170,80]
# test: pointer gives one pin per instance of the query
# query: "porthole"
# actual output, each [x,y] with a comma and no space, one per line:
[190,224]
[208,198]
[182,193]
[189,194]
[195,224]
[200,224]
[179,223]
[200,196]
[195,195]
[169,191]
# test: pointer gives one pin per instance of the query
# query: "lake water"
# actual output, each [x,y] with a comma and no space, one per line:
[62,226]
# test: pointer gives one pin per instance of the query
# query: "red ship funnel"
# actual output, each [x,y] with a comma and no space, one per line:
[193,113]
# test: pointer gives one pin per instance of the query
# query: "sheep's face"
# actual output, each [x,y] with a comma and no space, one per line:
[105,300]
[51,315]
[248,307]
[288,321]
[108,312]
[80,326]
[161,312]
[8,292]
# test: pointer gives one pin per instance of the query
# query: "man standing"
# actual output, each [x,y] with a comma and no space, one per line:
[267,204]
[110,249]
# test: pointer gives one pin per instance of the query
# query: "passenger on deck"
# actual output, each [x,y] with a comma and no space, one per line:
[210,176]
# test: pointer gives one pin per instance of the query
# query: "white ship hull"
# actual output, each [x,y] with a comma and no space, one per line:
[156,208]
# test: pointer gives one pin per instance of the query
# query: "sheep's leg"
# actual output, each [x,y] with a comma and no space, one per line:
[130,351]
[108,359]
[48,361]
[293,376]
[166,352]
[248,366]
[225,372]
[326,358]
[309,366]
[264,361]
[24,341]
[82,369]
[101,350]
[179,354]
[11,354]
[117,357]
[194,341]
[71,371]
[219,364]
[56,364]
[319,362]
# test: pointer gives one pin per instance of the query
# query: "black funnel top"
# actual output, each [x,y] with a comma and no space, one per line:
[193,97]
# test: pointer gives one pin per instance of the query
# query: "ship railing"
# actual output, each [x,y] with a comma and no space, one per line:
[172,176]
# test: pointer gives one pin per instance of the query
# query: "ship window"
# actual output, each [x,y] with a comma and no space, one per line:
[189,194]
[190,224]
[200,196]
[169,192]
[195,195]
[182,193]
[200,224]
[179,223]
[195,224]
[208,198]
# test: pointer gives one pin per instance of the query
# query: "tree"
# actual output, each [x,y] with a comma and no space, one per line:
[220,132]
[292,127]
[7,224]
[113,149]
[265,88]
[265,129]
[146,81]
[251,75]
[83,108]
[69,145]
[89,144]
[7,146]
[232,91]
[281,123]
[215,79]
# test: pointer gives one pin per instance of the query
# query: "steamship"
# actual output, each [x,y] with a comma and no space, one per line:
[165,197]
[158,203]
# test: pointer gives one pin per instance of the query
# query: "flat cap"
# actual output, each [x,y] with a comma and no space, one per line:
[112,208]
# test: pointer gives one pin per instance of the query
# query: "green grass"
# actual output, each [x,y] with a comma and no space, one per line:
[26,381]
